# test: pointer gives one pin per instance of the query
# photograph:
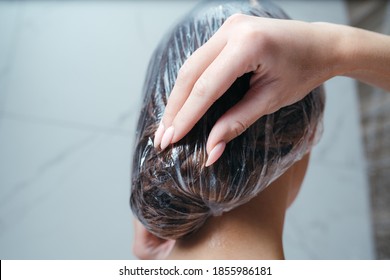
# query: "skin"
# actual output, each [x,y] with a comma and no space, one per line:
[251,231]
[147,246]
[282,75]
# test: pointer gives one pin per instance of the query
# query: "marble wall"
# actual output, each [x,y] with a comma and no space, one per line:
[71,75]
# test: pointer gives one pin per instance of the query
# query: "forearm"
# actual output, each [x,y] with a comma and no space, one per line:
[365,56]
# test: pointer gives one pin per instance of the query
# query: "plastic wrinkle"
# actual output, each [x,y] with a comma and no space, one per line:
[172,191]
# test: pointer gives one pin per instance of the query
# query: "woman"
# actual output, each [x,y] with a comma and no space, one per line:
[225,207]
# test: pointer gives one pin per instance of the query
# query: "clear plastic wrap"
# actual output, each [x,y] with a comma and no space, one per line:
[173,193]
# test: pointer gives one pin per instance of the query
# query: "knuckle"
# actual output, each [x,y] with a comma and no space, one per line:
[249,32]
[200,88]
[272,106]
[238,127]
[235,19]
[184,72]
[246,29]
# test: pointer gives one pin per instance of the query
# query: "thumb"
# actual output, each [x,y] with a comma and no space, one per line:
[237,119]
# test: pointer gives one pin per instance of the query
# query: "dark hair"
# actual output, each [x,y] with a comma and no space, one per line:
[173,193]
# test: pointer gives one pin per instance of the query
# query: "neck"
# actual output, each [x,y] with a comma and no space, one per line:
[251,231]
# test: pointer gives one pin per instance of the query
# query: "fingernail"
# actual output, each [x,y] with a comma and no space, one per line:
[167,137]
[215,153]
[158,135]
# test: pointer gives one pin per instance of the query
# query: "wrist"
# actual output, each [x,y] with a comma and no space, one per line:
[361,54]
[337,54]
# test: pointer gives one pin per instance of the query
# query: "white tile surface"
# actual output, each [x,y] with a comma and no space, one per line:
[71,74]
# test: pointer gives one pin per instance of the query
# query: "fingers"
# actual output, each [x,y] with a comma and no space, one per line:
[255,104]
[188,74]
[212,83]
[215,81]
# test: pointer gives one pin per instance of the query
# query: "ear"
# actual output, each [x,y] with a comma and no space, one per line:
[147,246]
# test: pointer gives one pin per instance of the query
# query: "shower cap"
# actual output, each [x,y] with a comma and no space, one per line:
[172,192]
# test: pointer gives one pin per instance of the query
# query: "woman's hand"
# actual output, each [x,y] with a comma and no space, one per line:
[147,246]
[288,59]
[285,68]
